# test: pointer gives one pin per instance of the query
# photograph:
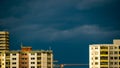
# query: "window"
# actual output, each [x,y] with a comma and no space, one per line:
[24,58]
[103,47]
[115,58]
[14,54]
[48,58]
[104,52]
[13,62]
[38,53]
[103,63]
[32,62]
[13,67]
[38,58]
[38,62]
[116,63]
[13,58]
[7,63]
[96,58]
[32,58]
[32,66]
[115,47]
[111,47]
[50,62]
[32,53]
[38,66]
[119,52]
[115,52]
[7,54]
[96,47]
[92,63]
[91,48]
[24,53]
[111,52]
[24,62]
[111,63]
[104,58]
[96,53]
[111,58]
[119,47]
[24,67]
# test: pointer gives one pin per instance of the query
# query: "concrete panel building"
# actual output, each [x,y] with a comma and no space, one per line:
[24,58]
[105,55]
[4,41]
[27,59]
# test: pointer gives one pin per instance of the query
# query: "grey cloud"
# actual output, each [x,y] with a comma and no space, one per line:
[35,32]
[88,4]
[42,11]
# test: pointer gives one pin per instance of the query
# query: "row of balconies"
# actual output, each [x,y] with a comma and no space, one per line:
[4,44]
[1,42]
[3,36]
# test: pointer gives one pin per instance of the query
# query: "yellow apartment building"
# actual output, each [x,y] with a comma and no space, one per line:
[4,41]
[105,55]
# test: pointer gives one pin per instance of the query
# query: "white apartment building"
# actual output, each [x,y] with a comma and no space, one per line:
[26,58]
[105,55]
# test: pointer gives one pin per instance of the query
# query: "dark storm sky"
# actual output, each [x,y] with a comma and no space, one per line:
[67,26]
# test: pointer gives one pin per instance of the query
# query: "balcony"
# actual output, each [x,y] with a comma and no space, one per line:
[104,60]
[4,39]
[103,65]
[103,49]
[103,54]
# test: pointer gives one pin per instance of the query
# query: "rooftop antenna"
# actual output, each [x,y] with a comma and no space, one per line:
[21,44]
[49,47]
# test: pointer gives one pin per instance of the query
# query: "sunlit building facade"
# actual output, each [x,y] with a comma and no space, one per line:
[4,41]
[27,58]
[24,58]
[105,55]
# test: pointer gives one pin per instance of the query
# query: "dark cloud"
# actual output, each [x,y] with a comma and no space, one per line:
[60,23]
[55,19]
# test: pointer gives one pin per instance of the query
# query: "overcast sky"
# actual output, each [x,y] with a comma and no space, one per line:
[67,26]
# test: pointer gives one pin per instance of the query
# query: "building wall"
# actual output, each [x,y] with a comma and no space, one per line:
[32,60]
[4,41]
[14,60]
[107,55]
[24,58]
[44,60]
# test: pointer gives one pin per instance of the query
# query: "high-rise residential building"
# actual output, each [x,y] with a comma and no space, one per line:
[105,55]
[4,41]
[26,58]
